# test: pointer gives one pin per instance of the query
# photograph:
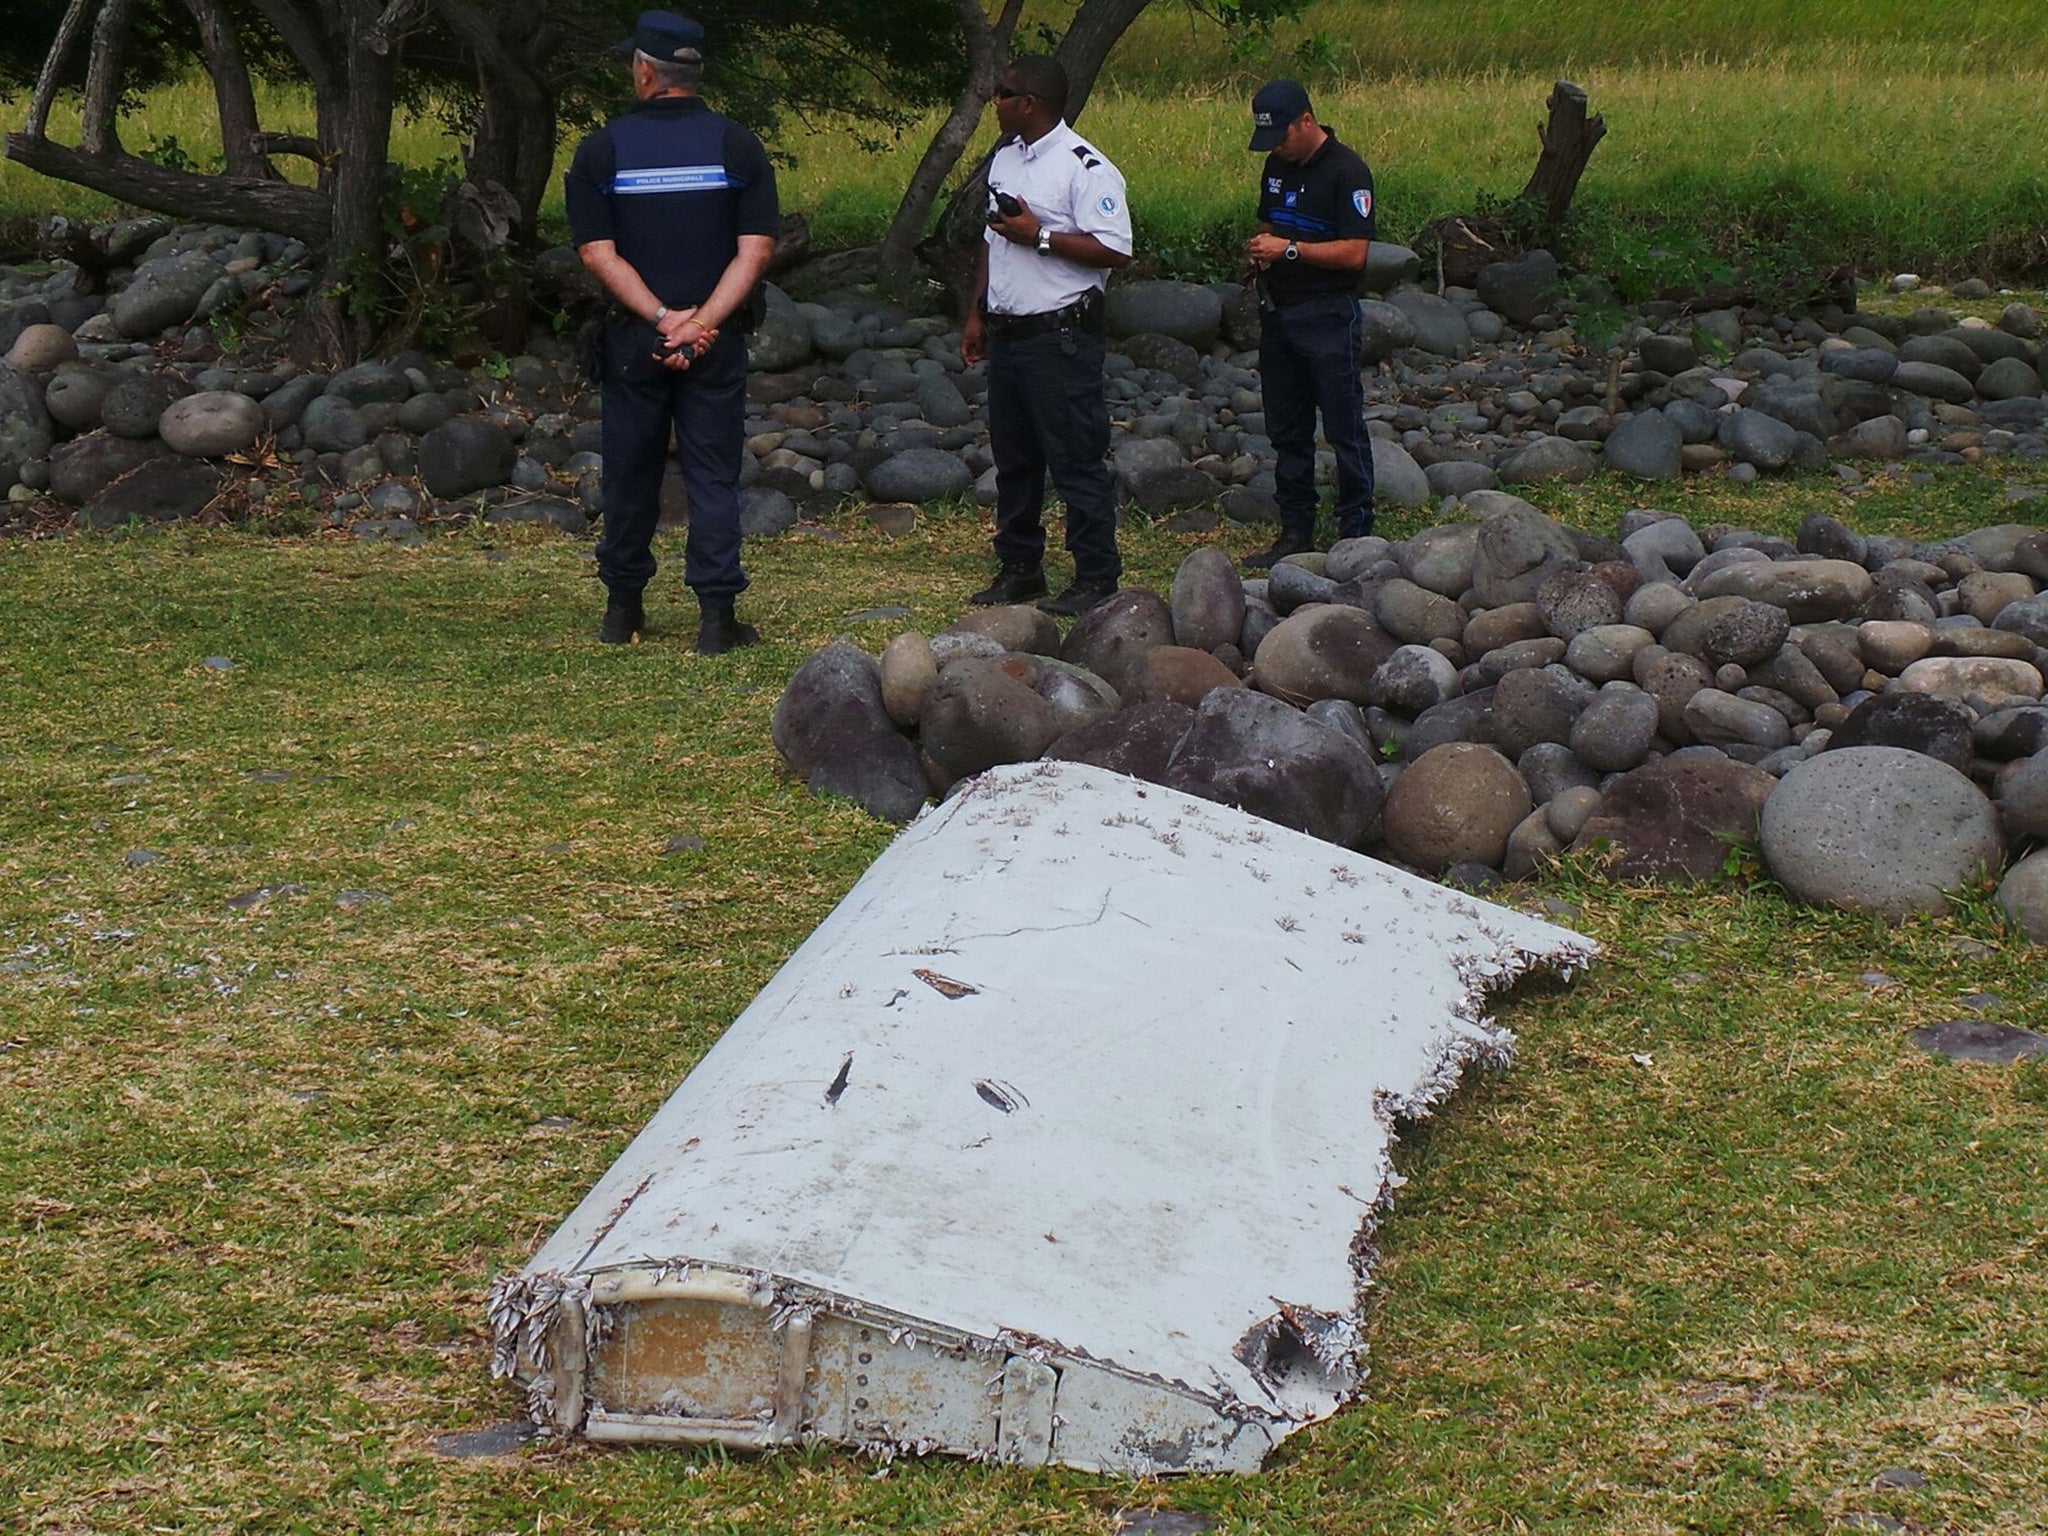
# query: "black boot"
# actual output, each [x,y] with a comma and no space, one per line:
[720,630]
[1283,546]
[1013,584]
[1079,598]
[624,619]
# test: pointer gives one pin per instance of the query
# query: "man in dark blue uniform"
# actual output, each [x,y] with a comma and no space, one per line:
[1315,223]
[672,207]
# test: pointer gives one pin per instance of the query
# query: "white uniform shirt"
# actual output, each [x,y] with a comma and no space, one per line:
[1073,189]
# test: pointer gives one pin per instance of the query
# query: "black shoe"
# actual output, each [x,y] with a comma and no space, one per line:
[720,631]
[1013,584]
[624,619]
[1285,545]
[1079,598]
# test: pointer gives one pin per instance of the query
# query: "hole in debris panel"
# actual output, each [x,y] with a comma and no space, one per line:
[1281,1353]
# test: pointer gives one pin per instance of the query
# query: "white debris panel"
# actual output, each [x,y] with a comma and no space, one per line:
[1061,1140]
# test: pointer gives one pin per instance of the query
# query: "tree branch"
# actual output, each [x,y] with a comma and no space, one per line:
[277,206]
[233,98]
[289,144]
[53,69]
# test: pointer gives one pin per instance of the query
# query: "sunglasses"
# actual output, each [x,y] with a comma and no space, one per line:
[1004,93]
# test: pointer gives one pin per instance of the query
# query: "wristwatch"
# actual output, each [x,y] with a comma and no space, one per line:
[1293,251]
[660,313]
[1044,241]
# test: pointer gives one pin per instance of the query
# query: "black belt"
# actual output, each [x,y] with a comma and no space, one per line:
[1293,300]
[1084,314]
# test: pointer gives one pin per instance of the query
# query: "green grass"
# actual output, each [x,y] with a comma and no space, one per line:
[1714,1254]
[1890,134]
[1366,39]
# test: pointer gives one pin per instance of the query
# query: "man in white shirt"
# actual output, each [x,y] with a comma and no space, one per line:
[1057,226]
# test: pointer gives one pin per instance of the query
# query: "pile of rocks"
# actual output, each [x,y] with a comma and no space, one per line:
[133,405]
[1481,698]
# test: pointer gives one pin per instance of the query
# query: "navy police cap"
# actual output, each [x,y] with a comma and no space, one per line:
[663,35]
[1276,107]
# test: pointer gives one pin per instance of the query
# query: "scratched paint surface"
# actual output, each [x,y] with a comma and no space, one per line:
[1079,1060]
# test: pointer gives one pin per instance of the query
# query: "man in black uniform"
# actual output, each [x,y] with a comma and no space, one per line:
[672,207]
[1057,226]
[1315,223]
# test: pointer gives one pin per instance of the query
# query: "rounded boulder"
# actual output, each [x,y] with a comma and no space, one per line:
[1208,601]
[1327,652]
[1878,829]
[982,713]
[1455,804]
[1110,638]
[209,424]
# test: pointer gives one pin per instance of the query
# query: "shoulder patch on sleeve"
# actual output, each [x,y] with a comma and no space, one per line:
[1362,201]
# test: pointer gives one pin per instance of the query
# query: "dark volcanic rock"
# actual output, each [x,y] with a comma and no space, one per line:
[161,490]
[464,455]
[981,714]
[1110,637]
[1138,741]
[1266,757]
[1208,601]
[830,727]
[1919,722]
[1676,819]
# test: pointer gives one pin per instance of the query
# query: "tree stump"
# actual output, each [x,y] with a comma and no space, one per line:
[1465,243]
[1568,140]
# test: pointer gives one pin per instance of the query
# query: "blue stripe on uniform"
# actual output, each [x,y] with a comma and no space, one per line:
[671,178]
[1282,218]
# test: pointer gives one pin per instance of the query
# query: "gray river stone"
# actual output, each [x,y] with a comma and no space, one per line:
[163,293]
[1878,829]
[1644,446]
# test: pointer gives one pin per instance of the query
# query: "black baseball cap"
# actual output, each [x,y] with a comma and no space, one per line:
[663,35]
[1274,109]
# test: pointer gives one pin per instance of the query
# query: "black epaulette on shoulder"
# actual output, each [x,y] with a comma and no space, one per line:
[1086,156]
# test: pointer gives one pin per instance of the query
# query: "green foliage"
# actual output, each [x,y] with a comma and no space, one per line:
[167,152]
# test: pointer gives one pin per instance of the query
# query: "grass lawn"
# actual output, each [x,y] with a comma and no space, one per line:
[1718,1252]
[1886,133]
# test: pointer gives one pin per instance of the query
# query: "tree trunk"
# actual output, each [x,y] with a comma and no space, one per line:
[232,96]
[1568,140]
[949,251]
[360,151]
[1085,47]
[316,52]
[514,142]
[1465,244]
[101,133]
[986,45]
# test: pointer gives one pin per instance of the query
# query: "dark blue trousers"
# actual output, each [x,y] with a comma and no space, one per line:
[705,407]
[1045,414]
[1308,362]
